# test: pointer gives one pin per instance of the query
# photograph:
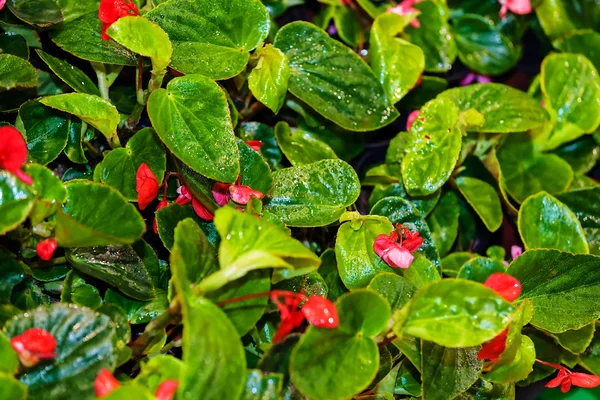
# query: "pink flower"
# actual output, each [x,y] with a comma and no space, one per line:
[520,7]
[411,118]
[473,77]
[566,378]
[505,285]
[398,254]
[515,251]
[34,345]
[2,3]
[404,8]
[241,194]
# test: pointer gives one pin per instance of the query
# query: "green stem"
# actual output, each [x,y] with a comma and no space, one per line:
[102,80]
[156,80]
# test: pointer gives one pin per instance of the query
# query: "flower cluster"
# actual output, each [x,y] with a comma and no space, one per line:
[396,248]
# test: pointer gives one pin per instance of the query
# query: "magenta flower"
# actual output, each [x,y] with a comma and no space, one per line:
[404,8]
[396,251]
[520,7]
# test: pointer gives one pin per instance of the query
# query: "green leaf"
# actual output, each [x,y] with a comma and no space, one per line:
[139,312]
[74,150]
[191,117]
[590,359]
[262,386]
[129,392]
[143,37]
[434,36]
[157,369]
[119,266]
[72,76]
[301,147]
[557,17]
[526,172]
[432,148]
[400,211]
[268,81]
[394,288]
[48,12]
[72,372]
[8,356]
[249,243]
[168,217]
[585,204]
[443,222]
[563,287]
[483,47]
[335,81]
[15,45]
[49,192]
[11,388]
[570,87]
[484,200]
[421,271]
[119,167]
[478,269]
[585,42]
[576,340]
[447,372]
[11,274]
[397,63]
[16,201]
[455,313]
[113,220]
[356,260]
[212,38]
[545,222]
[452,263]
[429,88]
[94,110]
[581,154]
[16,72]
[314,194]
[254,170]
[317,366]
[517,369]
[506,110]
[258,131]
[76,291]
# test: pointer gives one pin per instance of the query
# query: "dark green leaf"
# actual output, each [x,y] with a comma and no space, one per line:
[585,41]
[443,222]
[582,154]
[590,359]
[11,274]
[72,76]
[49,192]
[262,386]
[258,131]
[478,269]
[168,217]
[16,201]
[301,147]
[254,172]
[139,312]
[576,340]
[394,288]
[585,204]
[484,200]
[14,44]
[76,291]
[16,72]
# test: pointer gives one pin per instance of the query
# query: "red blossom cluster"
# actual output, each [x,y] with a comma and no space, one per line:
[396,248]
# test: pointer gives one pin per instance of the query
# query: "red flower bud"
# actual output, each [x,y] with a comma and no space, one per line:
[13,152]
[105,383]
[505,285]
[166,389]
[146,185]
[33,345]
[255,144]
[321,312]
[45,249]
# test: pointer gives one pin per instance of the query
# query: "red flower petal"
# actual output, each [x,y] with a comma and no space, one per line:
[166,389]
[255,144]
[584,380]
[161,204]
[505,285]
[220,192]
[411,118]
[520,7]
[2,2]
[242,194]
[321,312]
[494,348]
[382,244]
[45,249]
[146,185]
[105,383]
[13,149]
[398,257]
[202,211]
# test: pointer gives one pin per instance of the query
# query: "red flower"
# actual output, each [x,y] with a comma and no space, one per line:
[163,203]
[2,3]
[146,185]
[505,285]
[166,389]
[566,378]
[255,144]
[398,254]
[33,345]
[494,348]
[406,7]
[317,310]
[520,7]
[220,192]
[13,152]
[202,211]
[241,194]
[105,383]
[411,118]
[185,196]
[45,249]
[111,10]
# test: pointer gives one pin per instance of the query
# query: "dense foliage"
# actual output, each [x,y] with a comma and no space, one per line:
[265,199]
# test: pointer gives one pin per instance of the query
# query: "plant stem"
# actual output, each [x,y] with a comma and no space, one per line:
[102,81]
[156,328]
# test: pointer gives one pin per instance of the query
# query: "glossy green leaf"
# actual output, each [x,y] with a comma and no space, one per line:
[333,80]
[264,133]
[563,287]
[400,211]
[119,167]
[301,147]
[397,63]
[11,273]
[517,369]
[394,288]
[545,222]
[16,201]
[421,271]
[317,366]
[262,386]
[581,154]
[570,87]
[590,359]
[506,110]
[432,148]
[212,38]
[16,72]
[478,269]
[94,110]
[249,243]
[11,388]
[455,313]
[72,76]
[139,312]
[452,263]
[484,200]
[268,81]
[15,45]
[585,42]
[329,271]
[526,172]
[49,192]
[585,204]
[168,217]
[443,222]
[254,170]
[576,340]
[557,17]
[447,372]
[114,221]
[315,194]
[82,37]
[157,369]
[191,117]
[546,349]
[85,345]
[357,262]
[48,12]
[8,356]
[76,291]
[482,46]
[119,266]
[130,391]
[435,37]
